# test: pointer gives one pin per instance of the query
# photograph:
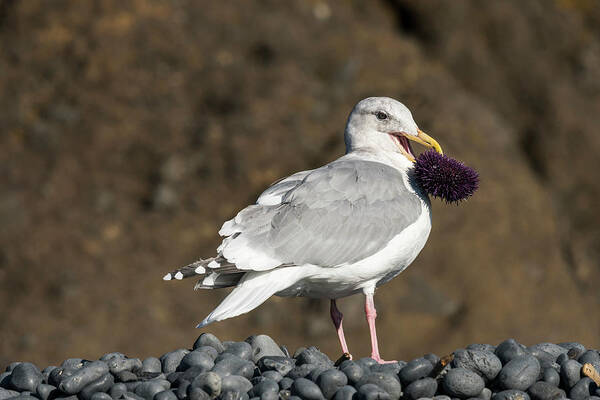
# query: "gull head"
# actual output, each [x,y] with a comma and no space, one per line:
[382,124]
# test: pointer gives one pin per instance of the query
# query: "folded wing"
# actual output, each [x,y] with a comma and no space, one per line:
[334,215]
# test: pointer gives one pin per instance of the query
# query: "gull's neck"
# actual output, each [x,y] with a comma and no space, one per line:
[392,158]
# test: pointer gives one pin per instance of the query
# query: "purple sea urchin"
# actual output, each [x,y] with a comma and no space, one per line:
[444,177]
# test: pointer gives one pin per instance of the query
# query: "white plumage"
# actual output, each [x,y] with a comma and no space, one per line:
[330,232]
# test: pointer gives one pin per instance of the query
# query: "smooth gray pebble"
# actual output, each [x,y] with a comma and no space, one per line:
[208,339]
[330,381]
[26,376]
[544,391]
[371,391]
[420,388]
[509,349]
[165,395]
[570,373]
[583,389]
[171,360]
[264,345]
[306,389]
[210,382]
[551,376]
[241,349]
[519,373]
[415,369]
[461,382]
[151,364]
[345,393]
[511,395]
[100,396]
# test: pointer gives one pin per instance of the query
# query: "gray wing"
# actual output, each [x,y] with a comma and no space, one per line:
[340,213]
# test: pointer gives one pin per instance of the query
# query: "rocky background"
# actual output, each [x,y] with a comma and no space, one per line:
[130,130]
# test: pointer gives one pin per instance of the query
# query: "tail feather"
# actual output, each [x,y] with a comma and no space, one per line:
[253,289]
[217,280]
[201,267]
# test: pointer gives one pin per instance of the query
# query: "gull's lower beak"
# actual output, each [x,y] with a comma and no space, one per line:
[425,140]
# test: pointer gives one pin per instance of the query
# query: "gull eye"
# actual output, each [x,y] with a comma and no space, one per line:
[381,115]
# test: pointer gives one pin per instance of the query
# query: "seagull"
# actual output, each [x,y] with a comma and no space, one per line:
[344,228]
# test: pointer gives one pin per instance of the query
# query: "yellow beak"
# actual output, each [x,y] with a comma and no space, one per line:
[426,140]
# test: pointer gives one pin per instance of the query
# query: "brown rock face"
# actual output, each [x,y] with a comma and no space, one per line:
[131,130]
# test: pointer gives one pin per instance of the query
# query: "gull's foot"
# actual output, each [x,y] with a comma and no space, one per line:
[381,361]
[343,357]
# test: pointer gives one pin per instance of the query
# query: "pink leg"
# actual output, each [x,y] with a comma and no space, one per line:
[371,315]
[337,317]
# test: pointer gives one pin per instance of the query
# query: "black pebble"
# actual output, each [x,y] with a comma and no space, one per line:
[101,396]
[314,374]
[481,347]
[415,369]
[463,383]
[241,349]
[312,355]
[109,356]
[583,389]
[263,387]
[165,395]
[209,351]
[148,389]
[195,393]
[26,376]
[550,350]
[126,376]
[420,388]
[590,356]
[208,339]
[366,363]
[511,395]
[151,364]
[390,368]
[301,371]
[387,382]
[128,396]
[210,382]
[545,391]
[182,389]
[196,359]
[345,393]
[519,373]
[170,361]
[43,391]
[274,375]
[551,376]
[570,373]
[330,381]
[372,392]
[484,363]
[102,384]
[83,376]
[235,383]
[352,370]
[281,364]
[432,358]
[116,365]
[306,389]
[234,366]
[263,345]
[508,350]
[117,390]
[285,383]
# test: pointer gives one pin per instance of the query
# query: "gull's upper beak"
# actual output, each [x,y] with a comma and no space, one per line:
[426,140]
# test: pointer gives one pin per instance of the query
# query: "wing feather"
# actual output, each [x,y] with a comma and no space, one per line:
[337,214]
